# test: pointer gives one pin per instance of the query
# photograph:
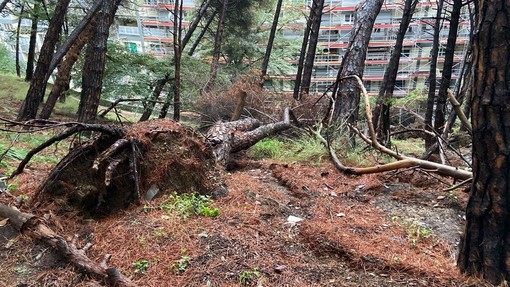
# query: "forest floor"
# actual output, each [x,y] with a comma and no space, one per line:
[396,229]
[281,224]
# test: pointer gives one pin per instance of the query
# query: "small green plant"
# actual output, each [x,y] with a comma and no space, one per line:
[185,205]
[159,233]
[248,275]
[141,266]
[183,263]
[416,232]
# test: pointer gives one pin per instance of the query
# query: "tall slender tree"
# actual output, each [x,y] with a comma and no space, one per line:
[316,15]
[302,54]
[32,45]
[63,79]
[381,114]
[95,59]
[485,245]
[446,76]
[18,30]
[270,40]
[431,98]
[37,87]
[348,95]
[177,59]
[217,47]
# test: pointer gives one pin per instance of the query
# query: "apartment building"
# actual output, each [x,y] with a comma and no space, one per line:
[148,29]
[416,54]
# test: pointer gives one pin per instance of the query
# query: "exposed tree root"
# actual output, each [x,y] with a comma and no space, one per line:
[31,225]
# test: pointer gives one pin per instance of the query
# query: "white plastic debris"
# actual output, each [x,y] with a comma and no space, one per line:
[293,219]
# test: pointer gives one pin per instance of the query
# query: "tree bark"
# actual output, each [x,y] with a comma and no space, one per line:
[485,245]
[95,59]
[270,41]
[217,48]
[64,72]
[312,47]
[348,95]
[429,140]
[37,87]
[382,109]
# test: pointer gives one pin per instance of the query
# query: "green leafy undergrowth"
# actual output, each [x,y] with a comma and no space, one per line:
[186,205]
[304,149]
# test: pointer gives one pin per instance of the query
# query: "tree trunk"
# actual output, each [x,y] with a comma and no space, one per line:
[177,59]
[270,41]
[193,26]
[95,58]
[217,48]
[64,48]
[439,118]
[485,245]
[429,140]
[18,66]
[37,87]
[166,105]
[312,47]
[383,105]
[149,105]
[64,72]
[302,54]
[348,95]
[29,73]
[202,33]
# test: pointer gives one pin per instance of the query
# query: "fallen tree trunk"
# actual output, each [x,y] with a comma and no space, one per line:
[31,225]
[230,137]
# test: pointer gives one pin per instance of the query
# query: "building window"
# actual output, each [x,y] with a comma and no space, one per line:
[441,52]
[400,83]
[349,18]
[131,47]
[406,53]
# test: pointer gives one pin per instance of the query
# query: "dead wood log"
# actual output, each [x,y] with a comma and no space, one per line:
[34,227]
[231,137]
[403,161]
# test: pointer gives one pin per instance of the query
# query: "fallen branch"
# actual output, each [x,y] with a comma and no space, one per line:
[403,161]
[456,105]
[77,127]
[31,225]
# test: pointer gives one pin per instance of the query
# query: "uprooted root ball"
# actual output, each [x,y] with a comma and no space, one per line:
[150,159]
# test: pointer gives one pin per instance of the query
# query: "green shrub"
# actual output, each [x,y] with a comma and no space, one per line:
[185,205]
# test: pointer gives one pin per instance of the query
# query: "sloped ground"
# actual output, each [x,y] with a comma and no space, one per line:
[375,230]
